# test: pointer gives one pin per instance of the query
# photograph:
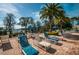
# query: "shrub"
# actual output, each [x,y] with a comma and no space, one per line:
[15,34]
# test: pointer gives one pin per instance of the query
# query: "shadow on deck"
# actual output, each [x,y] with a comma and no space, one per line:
[70,36]
[51,50]
[6,46]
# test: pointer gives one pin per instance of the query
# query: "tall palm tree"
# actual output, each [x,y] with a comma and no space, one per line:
[9,23]
[45,24]
[24,21]
[51,11]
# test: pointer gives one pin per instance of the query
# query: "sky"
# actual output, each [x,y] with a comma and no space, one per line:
[32,10]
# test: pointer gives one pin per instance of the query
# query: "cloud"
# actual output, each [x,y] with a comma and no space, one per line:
[9,8]
[36,16]
[41,6]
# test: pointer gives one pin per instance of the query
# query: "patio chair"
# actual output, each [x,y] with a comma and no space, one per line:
[5,44]
[37,38]
[27,49]
[53,39]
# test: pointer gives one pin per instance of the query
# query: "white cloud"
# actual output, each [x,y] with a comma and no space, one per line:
[9,8]
[41,6]
[36,16]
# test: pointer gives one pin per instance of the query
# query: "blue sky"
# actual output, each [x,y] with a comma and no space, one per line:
[71,9]
[27,9]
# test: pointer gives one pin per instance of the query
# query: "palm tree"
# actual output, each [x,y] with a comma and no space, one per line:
[45,24]
[24,21]
[9,23]
[51,11]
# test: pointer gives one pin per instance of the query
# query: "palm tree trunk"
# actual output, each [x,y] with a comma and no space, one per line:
[50,26]
[61,27]
[51,22]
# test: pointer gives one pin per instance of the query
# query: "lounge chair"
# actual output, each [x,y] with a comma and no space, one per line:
[5,44]
[54,39]
[27,49]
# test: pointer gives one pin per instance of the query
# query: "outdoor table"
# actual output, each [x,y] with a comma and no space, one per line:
[41,35]
[45,44]
[5,40]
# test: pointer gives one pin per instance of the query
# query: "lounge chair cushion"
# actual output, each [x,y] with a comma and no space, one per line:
[23,41]
[53,38]
[30,50]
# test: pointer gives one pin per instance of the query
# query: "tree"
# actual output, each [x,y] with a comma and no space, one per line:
[32,23]
[73,19]
[51,11]
[1,30]
[45,25]
[31,20]
[24,21]
[34,27]
[9,23]
[38,24]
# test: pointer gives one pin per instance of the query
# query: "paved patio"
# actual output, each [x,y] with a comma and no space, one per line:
[68,47]
[15,50]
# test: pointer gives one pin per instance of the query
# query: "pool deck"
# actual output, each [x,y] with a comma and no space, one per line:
[15,50]
[68,47]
